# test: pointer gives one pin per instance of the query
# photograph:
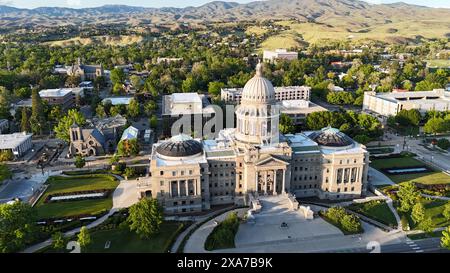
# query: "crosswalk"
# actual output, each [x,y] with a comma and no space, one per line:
[413,246]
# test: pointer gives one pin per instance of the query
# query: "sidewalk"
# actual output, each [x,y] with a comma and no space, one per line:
[196,242]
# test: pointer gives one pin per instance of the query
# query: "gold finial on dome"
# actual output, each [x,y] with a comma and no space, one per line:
[259,69]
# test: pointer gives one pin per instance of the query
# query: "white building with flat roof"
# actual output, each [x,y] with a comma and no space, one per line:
[234,95]
[17,143]
[280,53]
[389,104]
[298,110]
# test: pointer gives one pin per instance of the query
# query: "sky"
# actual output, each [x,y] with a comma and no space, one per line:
[171,3]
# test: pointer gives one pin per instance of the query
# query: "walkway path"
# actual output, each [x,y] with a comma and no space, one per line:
[379,178]
[444,198]
[69,234]
[196,242]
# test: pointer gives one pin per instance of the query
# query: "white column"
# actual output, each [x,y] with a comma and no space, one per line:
[187,187]
[170,188]
[274,182]
[265,182]
[179,188]
[283,184]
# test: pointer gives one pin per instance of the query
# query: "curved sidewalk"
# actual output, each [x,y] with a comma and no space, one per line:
[196,243]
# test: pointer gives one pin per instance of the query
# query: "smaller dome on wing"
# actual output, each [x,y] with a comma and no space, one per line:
[180,146]
[331,137]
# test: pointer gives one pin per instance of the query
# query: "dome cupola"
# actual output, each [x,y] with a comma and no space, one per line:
[258,89]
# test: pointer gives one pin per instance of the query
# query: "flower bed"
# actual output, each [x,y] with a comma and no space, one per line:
[407,170]
[77,196]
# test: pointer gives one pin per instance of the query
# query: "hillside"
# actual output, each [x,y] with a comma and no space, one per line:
[329,16]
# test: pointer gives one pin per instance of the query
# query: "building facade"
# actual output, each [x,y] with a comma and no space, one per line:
[63,97]
[234,95]
[279,54]
[190,175]
[389,104]
[17,143]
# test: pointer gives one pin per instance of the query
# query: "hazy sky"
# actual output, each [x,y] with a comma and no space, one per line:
[171,3]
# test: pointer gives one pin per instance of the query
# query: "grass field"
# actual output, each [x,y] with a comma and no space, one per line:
[258,31]
[125,241]
[60,184]
[377,210]
[337,29]
[435,177]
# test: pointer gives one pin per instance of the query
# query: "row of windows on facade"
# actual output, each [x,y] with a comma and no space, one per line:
[174,173]
[305,178]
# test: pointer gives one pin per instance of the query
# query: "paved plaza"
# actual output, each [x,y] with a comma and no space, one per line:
[266,226]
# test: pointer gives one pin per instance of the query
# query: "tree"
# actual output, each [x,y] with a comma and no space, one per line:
[37,120]
[150,107]
[408,117]
[445,239]
[5,101]
[73,117]
[6,155]
[100,111]
[350,223]
[128,147]
[407,195]
[435,125]
[214,88]
[363,139]
[133,108]
[426,225]
[286,124]
[153,121]
[17,226]
[25,123]
[446,211]
[145,217]
[137,82]
[129,172]
[84,238]
[80,162]
[418,212]
[117,76]
[58,241]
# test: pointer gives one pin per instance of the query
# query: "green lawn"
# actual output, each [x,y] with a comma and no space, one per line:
[60,184]
[377,210]
[435,177]
[125,241]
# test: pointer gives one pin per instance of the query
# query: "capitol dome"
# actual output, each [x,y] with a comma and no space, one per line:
[180,146]
[258,89]
[331,137]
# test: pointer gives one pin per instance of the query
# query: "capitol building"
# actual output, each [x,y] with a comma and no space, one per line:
[191,175]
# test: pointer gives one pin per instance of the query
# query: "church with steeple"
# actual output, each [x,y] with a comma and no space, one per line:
[254,160]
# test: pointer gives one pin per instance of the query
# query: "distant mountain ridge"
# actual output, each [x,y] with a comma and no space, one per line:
[324,11]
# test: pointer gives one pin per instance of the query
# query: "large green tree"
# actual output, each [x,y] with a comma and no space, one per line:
[286,124]
[84,237]
[37,120]
[17,226]
[408,196]
[73,117]
[145,217]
